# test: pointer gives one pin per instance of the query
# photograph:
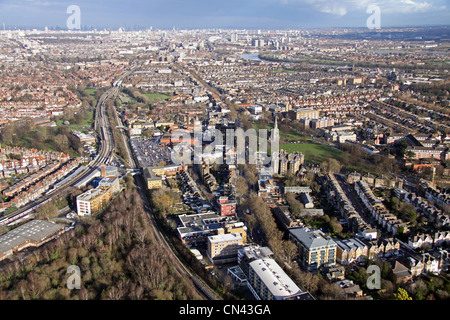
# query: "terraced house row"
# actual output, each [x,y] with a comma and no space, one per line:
[379,212]
[339,199]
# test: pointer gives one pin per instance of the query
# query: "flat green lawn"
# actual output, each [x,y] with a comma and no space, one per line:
[155,97]
[82,126]
[91,91]
[313,152]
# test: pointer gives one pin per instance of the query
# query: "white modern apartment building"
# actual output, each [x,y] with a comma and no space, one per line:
[267,281]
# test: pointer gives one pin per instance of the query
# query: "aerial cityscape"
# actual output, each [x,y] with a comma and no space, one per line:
[256,161]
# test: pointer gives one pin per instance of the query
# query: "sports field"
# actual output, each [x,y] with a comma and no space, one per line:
[313,152]
[155,97]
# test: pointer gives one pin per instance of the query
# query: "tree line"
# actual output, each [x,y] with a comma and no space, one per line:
[162,201]
[285,251]
[24,133]
[117,255]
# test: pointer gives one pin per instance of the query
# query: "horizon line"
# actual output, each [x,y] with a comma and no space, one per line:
[142,28]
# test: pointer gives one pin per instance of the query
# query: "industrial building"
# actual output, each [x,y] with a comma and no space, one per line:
[31,234]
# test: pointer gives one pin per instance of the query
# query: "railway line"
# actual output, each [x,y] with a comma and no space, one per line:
[181,269]
[104,155]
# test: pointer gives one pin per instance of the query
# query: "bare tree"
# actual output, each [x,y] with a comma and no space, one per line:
[47,211]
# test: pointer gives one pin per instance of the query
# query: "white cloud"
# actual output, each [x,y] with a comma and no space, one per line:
[342,7]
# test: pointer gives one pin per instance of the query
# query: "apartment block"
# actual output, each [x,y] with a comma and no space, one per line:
[321,123]
[303,113]
[289,162]
[94,200]
[227,206]
[195,228]
[250,253]
[315,248]
[429,152]
[223,248]
[236,227]
[268,281]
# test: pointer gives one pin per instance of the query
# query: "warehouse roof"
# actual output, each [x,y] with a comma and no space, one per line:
[33,232]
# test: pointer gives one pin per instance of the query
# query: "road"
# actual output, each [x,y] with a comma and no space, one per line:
[354,199]
[181,269]
[104,155]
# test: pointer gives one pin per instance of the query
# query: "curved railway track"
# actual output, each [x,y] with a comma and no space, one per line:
[104,155]
[180,268]
[105,152]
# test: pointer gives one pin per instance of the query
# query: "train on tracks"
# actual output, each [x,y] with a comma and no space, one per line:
[13,216]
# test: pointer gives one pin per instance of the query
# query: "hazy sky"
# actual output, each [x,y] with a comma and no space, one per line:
[251,14]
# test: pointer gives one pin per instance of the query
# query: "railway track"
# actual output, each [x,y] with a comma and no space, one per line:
[180,268]
[105,152]
[178,265]
[104,155]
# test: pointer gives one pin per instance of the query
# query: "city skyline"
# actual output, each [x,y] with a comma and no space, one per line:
[202,14]
[135,165]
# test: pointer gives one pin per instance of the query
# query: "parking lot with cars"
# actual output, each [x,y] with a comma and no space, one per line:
[149,152]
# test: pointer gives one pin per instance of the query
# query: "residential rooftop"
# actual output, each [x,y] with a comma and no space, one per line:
[312,238]
[274,278]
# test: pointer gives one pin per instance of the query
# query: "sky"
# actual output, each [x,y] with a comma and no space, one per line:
[230,14]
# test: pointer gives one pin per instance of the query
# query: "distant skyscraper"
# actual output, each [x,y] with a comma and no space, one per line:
[234,37]
[258,43]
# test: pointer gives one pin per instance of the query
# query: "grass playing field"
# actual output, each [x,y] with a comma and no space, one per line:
[155,97]
[313,152]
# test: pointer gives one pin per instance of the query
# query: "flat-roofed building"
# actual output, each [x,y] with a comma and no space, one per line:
[236,227]
[307,200]
[31,234]
[94,200]
[285,217]
[250,253]
[227,206]
[83,137]
[315,248]
[102,172]
[153,180]
[268,281]
[195,228]
[223,248]
[110,183]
